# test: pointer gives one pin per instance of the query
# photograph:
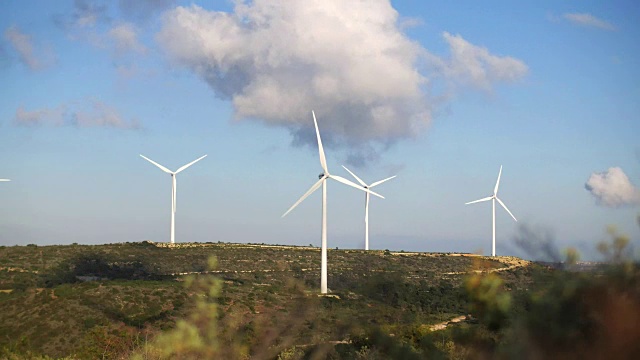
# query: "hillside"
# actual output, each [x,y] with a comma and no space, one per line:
[135,290]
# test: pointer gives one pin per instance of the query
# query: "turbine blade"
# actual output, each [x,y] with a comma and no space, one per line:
[481,200]
[174,190]
[5,180]
[354,175]
[191,163]
[381,181]
[347,182]
[309,192]
[495,189]
[158,165]
[323,159]
[375,193]
[505,207]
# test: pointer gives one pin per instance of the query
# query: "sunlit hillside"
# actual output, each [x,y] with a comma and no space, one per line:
[89,300]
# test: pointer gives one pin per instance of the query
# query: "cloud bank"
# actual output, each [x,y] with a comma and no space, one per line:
[588,20]
[349,61]
[612,188]
[98,114]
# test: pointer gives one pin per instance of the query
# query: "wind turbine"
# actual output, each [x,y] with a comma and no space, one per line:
[493,199]
[173,189]
[323,182]
[366,204]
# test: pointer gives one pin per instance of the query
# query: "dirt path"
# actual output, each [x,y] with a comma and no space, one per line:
[436,327]
[443,325]
[15,269]
[513,263]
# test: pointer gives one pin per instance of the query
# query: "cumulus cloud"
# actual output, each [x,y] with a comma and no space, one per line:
[612,188]
[27,53]
[97,114]
[350,61]
[588,20]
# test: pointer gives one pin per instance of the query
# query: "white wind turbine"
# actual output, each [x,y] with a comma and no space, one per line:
[173,189]
[323,182]
[366,204]
[494,197]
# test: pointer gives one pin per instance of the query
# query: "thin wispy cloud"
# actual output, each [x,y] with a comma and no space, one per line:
[101,114]
[475,65]
[96,114]
[90,22]
[41,117]
[86,22]
[277,60]
[125,39]
[85,15]
[143,10]
[406,22]
[612,188]
[588,20]
[28,54]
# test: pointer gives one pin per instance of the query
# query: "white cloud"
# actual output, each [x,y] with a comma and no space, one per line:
[27,53]
[98,114]
[588,20]
[350,61]
[612,188]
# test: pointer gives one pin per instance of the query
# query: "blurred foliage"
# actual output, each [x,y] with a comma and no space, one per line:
[576,311]
[489,301]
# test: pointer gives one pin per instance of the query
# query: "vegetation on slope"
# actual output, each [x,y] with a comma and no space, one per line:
[153,301]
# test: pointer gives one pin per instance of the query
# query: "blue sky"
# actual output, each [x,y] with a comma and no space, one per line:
[439,94]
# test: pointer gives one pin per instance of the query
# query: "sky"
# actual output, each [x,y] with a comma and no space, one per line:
[439,94]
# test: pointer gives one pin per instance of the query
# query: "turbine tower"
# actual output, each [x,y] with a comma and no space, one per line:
[366,204]
[173,189]
[493,199]
[323,182]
